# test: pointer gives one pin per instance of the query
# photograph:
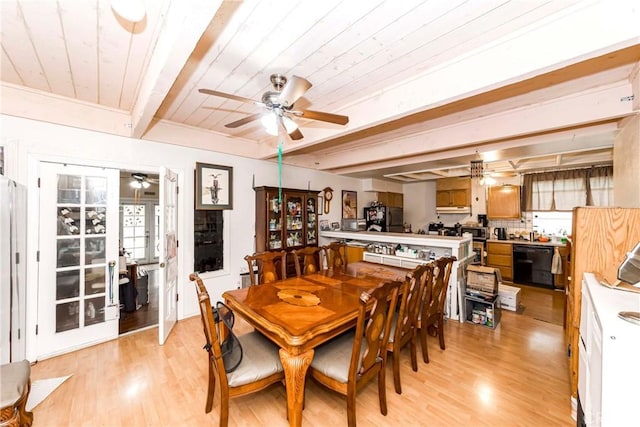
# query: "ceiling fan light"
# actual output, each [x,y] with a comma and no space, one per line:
[270,124]
[135,184]
[131,10]
[145,184]
[289,124]
[489,180]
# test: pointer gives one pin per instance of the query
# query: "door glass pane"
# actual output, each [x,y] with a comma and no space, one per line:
[67,284]
[69,188]
[96,191]
[94,311]
[68,221]
[156,228]
[67,316]
[68,253]
[96,220]
[95,250]
[94,281]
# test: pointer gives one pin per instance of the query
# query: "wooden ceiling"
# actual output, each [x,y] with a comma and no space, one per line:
[427,85]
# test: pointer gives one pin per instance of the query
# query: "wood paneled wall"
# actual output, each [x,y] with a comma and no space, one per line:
[601,239]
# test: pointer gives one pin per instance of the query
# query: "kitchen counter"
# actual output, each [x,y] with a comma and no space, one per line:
[526,242]
[460,247]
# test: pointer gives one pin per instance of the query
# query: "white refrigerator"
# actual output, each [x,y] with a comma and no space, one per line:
[13,284]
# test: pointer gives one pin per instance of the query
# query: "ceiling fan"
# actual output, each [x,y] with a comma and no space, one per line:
[279,105]
[141,180]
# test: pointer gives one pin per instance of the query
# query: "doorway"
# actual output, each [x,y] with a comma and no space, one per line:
[140,248]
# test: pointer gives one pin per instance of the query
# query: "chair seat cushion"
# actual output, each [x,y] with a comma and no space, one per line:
[260,359]
[333,358]
[15,380]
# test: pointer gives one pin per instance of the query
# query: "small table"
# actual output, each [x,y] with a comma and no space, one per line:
[298,314]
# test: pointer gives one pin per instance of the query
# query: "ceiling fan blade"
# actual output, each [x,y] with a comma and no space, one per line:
[293,90]
[296,135]
[325,117]
[243,121]
[230,96]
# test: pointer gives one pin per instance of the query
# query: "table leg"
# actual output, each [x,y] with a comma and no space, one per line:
[295,369]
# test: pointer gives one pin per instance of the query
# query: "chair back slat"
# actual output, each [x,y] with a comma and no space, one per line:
[336,256]
[310,257]
[272,266]
[373,329]
[412,295]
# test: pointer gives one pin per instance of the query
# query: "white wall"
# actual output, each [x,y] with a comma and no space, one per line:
[29,142]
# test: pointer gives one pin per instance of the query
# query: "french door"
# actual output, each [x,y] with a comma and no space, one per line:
[78,301]
[168,301]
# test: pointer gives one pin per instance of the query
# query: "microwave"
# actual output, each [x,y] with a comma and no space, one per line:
[353,224]
[477,233]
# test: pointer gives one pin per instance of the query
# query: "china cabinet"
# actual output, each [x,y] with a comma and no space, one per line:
[285,220]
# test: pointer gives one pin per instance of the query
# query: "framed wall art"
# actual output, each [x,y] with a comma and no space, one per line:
[214,187]
[349,204]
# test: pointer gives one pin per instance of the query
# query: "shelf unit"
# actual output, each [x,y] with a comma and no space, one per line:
[286,223]
[393,260]
[483,311]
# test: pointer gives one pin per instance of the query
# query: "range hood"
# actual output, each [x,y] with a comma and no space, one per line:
[453,209]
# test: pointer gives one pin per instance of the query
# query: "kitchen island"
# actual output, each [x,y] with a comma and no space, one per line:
[406,250]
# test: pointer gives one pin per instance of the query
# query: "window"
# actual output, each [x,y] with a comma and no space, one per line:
[208,240]
[564,190]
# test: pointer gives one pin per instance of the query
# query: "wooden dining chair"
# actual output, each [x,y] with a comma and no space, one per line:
[311,259]
[272,266]
[15,379]
[347,363]
[403,326]
[336,255]
[259,368]
[432,313]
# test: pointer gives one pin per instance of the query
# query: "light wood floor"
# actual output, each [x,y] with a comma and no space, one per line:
[514,375]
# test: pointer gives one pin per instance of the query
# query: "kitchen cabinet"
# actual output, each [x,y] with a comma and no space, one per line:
[503,202]
[607,349]
[453,192]
[392,200]
[354,254]
[500,256]
[287,224]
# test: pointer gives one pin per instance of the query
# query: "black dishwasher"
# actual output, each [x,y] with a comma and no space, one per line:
[532,265]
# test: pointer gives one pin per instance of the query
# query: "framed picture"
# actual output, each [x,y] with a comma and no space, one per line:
[320,205]
[349,204]
[335,226]
[324,225]
[214,186]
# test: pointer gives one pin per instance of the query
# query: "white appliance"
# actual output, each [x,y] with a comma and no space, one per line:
[13,284]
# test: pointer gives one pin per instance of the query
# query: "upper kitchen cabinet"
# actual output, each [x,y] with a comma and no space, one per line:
[392,200]
[453,194]
[503,202]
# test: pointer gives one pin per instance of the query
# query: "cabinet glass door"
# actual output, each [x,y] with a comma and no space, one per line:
[294,221]
[275,222]
[311,220]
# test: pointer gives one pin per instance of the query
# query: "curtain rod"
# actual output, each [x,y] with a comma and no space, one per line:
[552,169]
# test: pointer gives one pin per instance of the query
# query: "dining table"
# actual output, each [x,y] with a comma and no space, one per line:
[298,314]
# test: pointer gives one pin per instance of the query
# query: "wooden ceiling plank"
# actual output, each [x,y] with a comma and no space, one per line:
[409,49]
[80,26]
[45,31]
[9,73]
[18,46]
[114,37]
[183,26]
